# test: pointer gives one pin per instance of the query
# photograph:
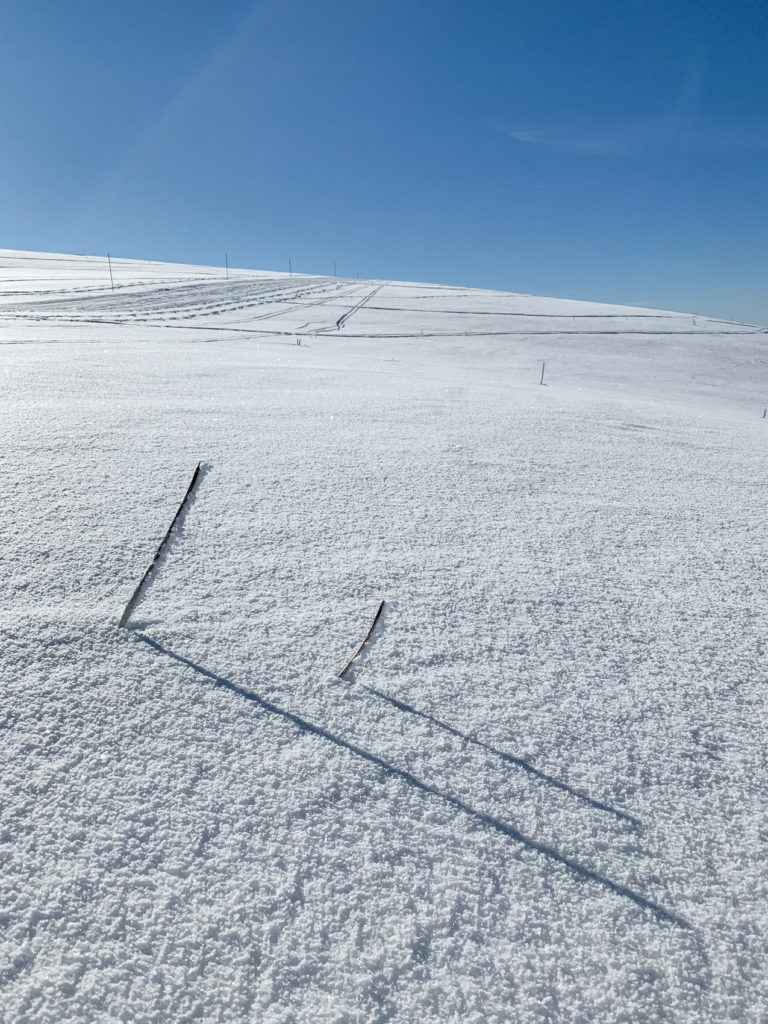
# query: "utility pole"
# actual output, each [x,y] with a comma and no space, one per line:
[334,268]
[226,264]
[290,269]
[111,279]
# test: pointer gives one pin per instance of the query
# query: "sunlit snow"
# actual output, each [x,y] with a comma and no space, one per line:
[539,793]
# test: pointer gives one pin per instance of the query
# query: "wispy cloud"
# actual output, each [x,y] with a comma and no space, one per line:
[696,133]
[163,121]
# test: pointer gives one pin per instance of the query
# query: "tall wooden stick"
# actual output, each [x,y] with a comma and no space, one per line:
[137,592]
[543,367]
[111,279]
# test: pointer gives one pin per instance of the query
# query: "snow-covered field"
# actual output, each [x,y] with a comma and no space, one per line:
[539,796]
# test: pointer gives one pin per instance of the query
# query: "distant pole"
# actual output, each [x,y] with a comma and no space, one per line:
[334,268]
[226,264]
[111,279]
[290,269]
[357,274]
[543,366]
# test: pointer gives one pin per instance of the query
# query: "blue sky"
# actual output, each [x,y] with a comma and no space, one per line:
[614,151]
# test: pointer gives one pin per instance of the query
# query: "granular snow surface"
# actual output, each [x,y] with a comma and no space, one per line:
[539,793]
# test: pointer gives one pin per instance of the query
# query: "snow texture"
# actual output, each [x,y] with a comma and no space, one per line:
[539,793]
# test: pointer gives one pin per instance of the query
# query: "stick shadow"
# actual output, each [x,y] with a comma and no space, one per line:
[517,761]
[486,820]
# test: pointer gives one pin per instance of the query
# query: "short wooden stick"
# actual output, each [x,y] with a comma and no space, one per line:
[137,592]
[365,641]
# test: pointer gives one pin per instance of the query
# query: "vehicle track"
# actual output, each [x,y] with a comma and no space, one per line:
[169,302]
[366,298]
[303,305]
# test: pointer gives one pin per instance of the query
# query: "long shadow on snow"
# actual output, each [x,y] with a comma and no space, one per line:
[486,820]
[518,761]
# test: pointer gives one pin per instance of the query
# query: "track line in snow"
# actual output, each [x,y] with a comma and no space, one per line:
[293,309]
[176,301]
[145,308]
[543,334]
[548,316]
[366,298]
[486,820]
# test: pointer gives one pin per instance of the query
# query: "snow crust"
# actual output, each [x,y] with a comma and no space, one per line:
[539,794]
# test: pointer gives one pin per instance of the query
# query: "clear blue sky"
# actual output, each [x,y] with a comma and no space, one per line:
[601,149]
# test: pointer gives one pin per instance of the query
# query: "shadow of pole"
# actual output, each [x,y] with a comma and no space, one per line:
[489,822]
[518,761]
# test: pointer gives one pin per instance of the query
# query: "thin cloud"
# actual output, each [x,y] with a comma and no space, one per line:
[645,134]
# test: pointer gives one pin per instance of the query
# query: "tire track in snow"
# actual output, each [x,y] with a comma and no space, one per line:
[142,316]
[303,305]
[366,298]
[173,302]
[543,334]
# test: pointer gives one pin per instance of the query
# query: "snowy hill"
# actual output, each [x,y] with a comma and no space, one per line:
[539,795]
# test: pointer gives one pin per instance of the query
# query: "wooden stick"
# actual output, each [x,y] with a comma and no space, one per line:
[137,592]
[362,645]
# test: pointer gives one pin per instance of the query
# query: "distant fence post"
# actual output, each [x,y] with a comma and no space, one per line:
[111,279]
[543,367]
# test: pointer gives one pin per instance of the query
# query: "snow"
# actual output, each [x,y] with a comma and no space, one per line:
[538,795]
